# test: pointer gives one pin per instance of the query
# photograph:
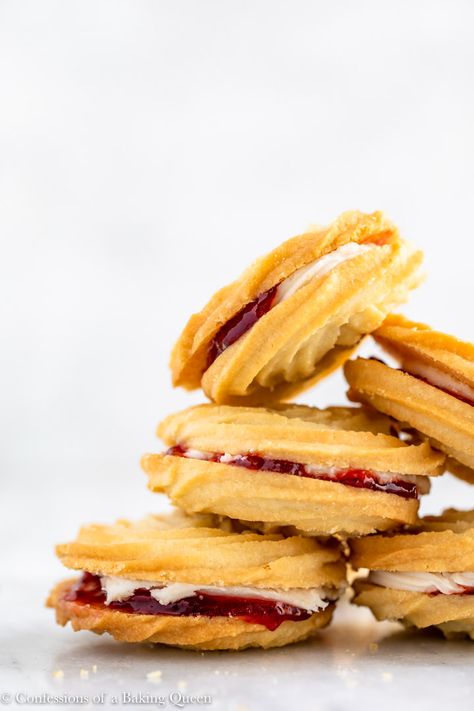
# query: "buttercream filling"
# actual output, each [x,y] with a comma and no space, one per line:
[119,589]
[439,379]
[430,583]
[319,268]
[268,607]
[405,485]
[243,321]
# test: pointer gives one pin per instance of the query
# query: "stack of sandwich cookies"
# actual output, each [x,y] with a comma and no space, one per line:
[297,313]
[185,582]
[323,472]
[423,577]
[433,391]
[265,488]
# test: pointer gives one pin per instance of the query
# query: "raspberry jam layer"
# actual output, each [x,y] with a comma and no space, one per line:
[357,478]
[239,324]
[269,613]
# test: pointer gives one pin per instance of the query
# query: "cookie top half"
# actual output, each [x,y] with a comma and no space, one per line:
[331,437]
[436,544]
[180,549]
[297,313]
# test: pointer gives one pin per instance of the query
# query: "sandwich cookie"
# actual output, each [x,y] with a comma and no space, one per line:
[423,577]
[180,581]
[297,313]
[433,391]
[324,472]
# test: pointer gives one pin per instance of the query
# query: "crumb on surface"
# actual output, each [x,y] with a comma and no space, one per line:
[94,668]
[154,676]
[182,685]
[84,673]
[387,676]
[373,647]
[58,674]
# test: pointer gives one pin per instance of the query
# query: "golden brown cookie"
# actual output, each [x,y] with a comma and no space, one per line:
[297,313]
[423,577]
[433,391]
[323,472]
[177,580]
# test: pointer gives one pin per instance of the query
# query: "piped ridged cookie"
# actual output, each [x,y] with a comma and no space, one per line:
[321,472]
[423,577]
[297,313]
[178,580]
[433,391]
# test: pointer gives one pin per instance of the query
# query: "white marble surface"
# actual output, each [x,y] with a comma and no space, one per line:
[354,664]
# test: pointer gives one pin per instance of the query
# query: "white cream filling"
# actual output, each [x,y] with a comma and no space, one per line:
[422,482]
[119,589]
[446,583]
[437,377]
[319,268]
[197,454]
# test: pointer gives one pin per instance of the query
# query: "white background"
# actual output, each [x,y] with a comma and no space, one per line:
[148,152]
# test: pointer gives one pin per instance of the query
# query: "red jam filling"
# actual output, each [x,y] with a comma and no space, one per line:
[269,613]
[357,478]
[239,324]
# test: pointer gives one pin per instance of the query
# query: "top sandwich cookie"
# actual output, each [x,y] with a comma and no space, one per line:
[183,581]
[320,471]
[297,313]
[433,391]
[423,577]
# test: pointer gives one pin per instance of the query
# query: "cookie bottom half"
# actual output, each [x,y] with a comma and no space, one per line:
[452,614]
[309,505]
[192,632]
